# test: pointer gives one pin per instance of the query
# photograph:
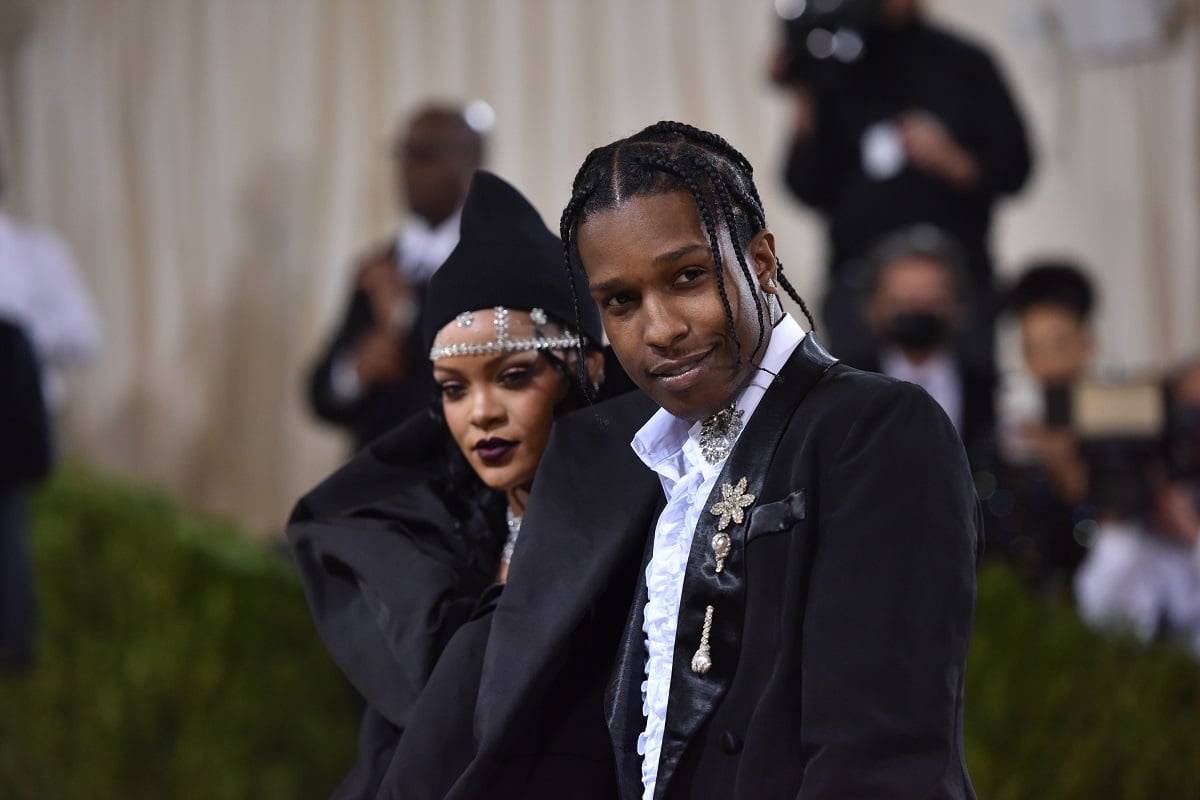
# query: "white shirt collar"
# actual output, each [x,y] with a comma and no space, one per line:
[665,437]
[422,248]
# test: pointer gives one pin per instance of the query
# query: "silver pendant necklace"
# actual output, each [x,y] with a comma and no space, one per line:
[719,432]
[510,542]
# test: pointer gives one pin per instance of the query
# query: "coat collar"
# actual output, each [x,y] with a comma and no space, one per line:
[573,544]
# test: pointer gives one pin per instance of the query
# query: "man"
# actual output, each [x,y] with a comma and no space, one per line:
[47,325]
[372,374]
[916,310]
[779,550]
[921,129]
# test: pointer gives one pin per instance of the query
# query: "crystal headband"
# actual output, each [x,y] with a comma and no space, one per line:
[502,343]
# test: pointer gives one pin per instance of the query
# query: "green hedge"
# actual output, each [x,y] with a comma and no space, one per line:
[178,661]
[1054,711]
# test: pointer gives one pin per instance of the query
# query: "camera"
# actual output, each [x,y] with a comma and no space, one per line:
[824,37]
[1129,434]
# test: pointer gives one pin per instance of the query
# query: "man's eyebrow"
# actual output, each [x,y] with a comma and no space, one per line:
[663,258]
[679,252]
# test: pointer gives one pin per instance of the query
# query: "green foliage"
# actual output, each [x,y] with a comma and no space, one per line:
[177,660]
[1054,711]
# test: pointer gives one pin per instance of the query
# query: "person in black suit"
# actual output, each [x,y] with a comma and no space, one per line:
[25,459]
[920,126]
[916,311]
[373,373]
[754,579]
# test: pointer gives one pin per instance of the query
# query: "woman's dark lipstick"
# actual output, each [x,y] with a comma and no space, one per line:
[494,450]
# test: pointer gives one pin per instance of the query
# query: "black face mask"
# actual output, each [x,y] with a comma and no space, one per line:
[917,330]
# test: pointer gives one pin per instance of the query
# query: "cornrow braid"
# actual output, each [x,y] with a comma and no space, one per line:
[711,230]
[578,197]
[727,209]
[671,156]
[749,197]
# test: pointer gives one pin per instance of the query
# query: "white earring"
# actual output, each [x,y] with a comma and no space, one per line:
[770,283]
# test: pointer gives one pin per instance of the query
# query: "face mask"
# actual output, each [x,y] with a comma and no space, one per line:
[917,330]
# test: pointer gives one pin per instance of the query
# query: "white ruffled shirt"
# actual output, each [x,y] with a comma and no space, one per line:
[670,446]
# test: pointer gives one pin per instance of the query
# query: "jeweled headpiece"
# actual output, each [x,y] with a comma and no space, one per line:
[503,341]
[506,256]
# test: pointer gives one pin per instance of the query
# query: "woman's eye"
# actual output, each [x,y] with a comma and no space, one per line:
[691,275]
[515,377]
[452,391]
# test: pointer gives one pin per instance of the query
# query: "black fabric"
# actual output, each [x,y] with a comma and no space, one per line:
[918,67]
[858,564]
[694,696]
[395,553]
[382,406]
[978,387]
[506,256]
[26,452]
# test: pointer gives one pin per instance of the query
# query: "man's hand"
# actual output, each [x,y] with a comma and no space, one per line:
[1175,513]
[385,289]
[1058,454]
[930,147]
[379,357]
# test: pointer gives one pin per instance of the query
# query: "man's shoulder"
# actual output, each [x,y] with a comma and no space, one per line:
[615,420]
[956,43]
[847,392]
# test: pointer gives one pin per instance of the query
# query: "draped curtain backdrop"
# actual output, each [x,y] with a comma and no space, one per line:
[216,164]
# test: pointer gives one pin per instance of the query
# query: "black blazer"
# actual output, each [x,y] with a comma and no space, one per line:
[383,406]
[842,616]
[978,398]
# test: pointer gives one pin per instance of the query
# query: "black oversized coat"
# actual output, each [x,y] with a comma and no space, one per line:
[842,616]
[395,554]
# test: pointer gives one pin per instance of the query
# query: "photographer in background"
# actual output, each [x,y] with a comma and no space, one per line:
[1039,485]
[915,309]
[896,122]
[1143,573]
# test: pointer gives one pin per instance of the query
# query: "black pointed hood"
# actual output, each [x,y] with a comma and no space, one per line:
[506,256]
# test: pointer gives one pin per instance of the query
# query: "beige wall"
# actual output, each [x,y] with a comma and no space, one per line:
[217,163]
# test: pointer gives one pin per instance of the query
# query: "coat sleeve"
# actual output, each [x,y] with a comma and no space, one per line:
[1003,152]
[891,606]
[385,600]
[323,398]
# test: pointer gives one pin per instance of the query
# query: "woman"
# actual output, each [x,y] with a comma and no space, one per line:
[413,537]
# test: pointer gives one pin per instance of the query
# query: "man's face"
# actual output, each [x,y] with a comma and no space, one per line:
[913,288]
[435,162]
[650,270]
[1056,343]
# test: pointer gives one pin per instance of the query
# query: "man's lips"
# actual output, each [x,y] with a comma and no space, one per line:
[681,373]
[494,449]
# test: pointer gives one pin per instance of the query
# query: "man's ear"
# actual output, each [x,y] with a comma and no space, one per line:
[761,252]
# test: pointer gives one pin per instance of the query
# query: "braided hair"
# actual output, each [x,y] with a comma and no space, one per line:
[669,157]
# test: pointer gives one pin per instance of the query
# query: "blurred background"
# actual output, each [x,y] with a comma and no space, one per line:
[215,169]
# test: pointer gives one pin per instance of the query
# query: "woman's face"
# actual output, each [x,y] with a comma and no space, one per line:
[499,407]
